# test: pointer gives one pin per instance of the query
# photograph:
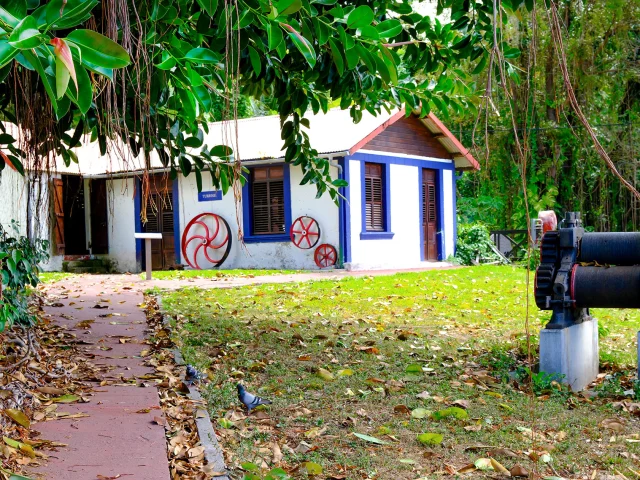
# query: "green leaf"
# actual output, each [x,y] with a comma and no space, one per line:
[62,78]
[313,468]
[277,474]
[369,32]
[210,6]
[26,34]
[430,438]
[18,417]
[84,97]
[274,35]
[480,66]
[34,61]
[249,467]
[420,413]
[370,439]
[389,28]
[414,368]
[202,55]
[7,52]
[360,17]
[74,12]
[221,151]
[456,412]
[168,61]
[98,49]
[254,57]
[337,56]
[288,7]
[17,8]
[8,18]
[225,423]
[304,46]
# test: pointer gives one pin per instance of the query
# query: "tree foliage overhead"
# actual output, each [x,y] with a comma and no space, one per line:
[62,74]
[602,46]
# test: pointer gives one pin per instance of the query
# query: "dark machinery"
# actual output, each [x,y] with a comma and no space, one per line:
[580,270]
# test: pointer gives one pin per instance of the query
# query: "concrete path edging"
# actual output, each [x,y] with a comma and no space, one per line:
[206,433]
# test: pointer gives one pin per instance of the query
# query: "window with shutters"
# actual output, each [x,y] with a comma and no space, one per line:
[268,202]
[374,197]
[376,220]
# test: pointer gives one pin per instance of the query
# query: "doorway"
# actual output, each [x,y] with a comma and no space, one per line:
[99,217]
[160,219]
[69,211]
[429,215]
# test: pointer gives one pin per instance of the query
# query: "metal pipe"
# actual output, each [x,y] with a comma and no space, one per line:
[605,287]
[607,248]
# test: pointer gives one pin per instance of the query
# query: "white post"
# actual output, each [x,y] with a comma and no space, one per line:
[147,246]
[147,237]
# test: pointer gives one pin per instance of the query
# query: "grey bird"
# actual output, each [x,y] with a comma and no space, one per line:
[250,400]
[193,375]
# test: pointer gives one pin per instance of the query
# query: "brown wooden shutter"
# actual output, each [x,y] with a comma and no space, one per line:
[267,191]
[58,208]
[374,197]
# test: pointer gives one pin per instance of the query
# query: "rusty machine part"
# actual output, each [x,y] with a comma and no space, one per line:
[581,270]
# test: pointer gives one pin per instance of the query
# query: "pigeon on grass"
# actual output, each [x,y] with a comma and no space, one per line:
[250,400]
[192,375]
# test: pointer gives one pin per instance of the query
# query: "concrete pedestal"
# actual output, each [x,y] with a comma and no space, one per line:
[571,353]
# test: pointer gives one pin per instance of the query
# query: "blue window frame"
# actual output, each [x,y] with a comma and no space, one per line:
[376,201]
[266,204]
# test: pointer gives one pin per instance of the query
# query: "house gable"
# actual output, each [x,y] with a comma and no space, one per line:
[408,136]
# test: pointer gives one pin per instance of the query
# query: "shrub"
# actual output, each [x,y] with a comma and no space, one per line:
[475,245]
[19,260]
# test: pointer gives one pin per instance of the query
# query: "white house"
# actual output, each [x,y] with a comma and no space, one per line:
[398,211]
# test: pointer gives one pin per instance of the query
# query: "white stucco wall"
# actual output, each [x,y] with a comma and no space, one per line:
[269,255]
[14,199]
[404,250]
[120,209]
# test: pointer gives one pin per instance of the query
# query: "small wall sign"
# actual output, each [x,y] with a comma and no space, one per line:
[210,196]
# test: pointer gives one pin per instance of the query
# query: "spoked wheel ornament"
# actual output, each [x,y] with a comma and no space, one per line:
[206,241]
[325,256]
[305,232]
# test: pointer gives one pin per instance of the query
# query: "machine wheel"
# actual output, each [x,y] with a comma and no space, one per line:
[213,236]
[305,232]
[325,256]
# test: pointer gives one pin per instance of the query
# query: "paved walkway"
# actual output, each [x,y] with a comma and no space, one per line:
[113,440]
[229,282]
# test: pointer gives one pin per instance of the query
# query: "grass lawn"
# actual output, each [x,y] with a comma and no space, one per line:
[51,277]
[384,357]
[187,274]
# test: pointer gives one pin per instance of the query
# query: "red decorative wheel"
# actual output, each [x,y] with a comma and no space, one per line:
[305,232]
[325,256]
[206,238]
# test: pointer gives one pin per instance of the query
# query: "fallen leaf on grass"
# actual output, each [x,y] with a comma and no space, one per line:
[313,468]
[345,372]
[473,428]
[519,471]
[498,467]
[159,421]
[413,368]
[325,374]
[456,412]
[277,453]
[401,410]
[23,447]
[369,438]
[420,413]
[18,417]
[613,424]
[430,438]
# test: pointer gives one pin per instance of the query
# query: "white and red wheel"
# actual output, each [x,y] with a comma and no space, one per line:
[305,232]
[206,241]
[325,256]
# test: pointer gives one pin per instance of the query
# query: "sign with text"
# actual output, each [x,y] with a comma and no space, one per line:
[210,196]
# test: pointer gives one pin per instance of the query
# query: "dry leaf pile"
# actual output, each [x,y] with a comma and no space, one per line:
[41,369]
[185,454]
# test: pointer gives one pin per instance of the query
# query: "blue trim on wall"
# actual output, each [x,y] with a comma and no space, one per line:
[455,211]
[421,215]
[137,210]
[347,210]
[176,218]
[441,232]
[386,234]
[247,214]
[341,212]
[414,162]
